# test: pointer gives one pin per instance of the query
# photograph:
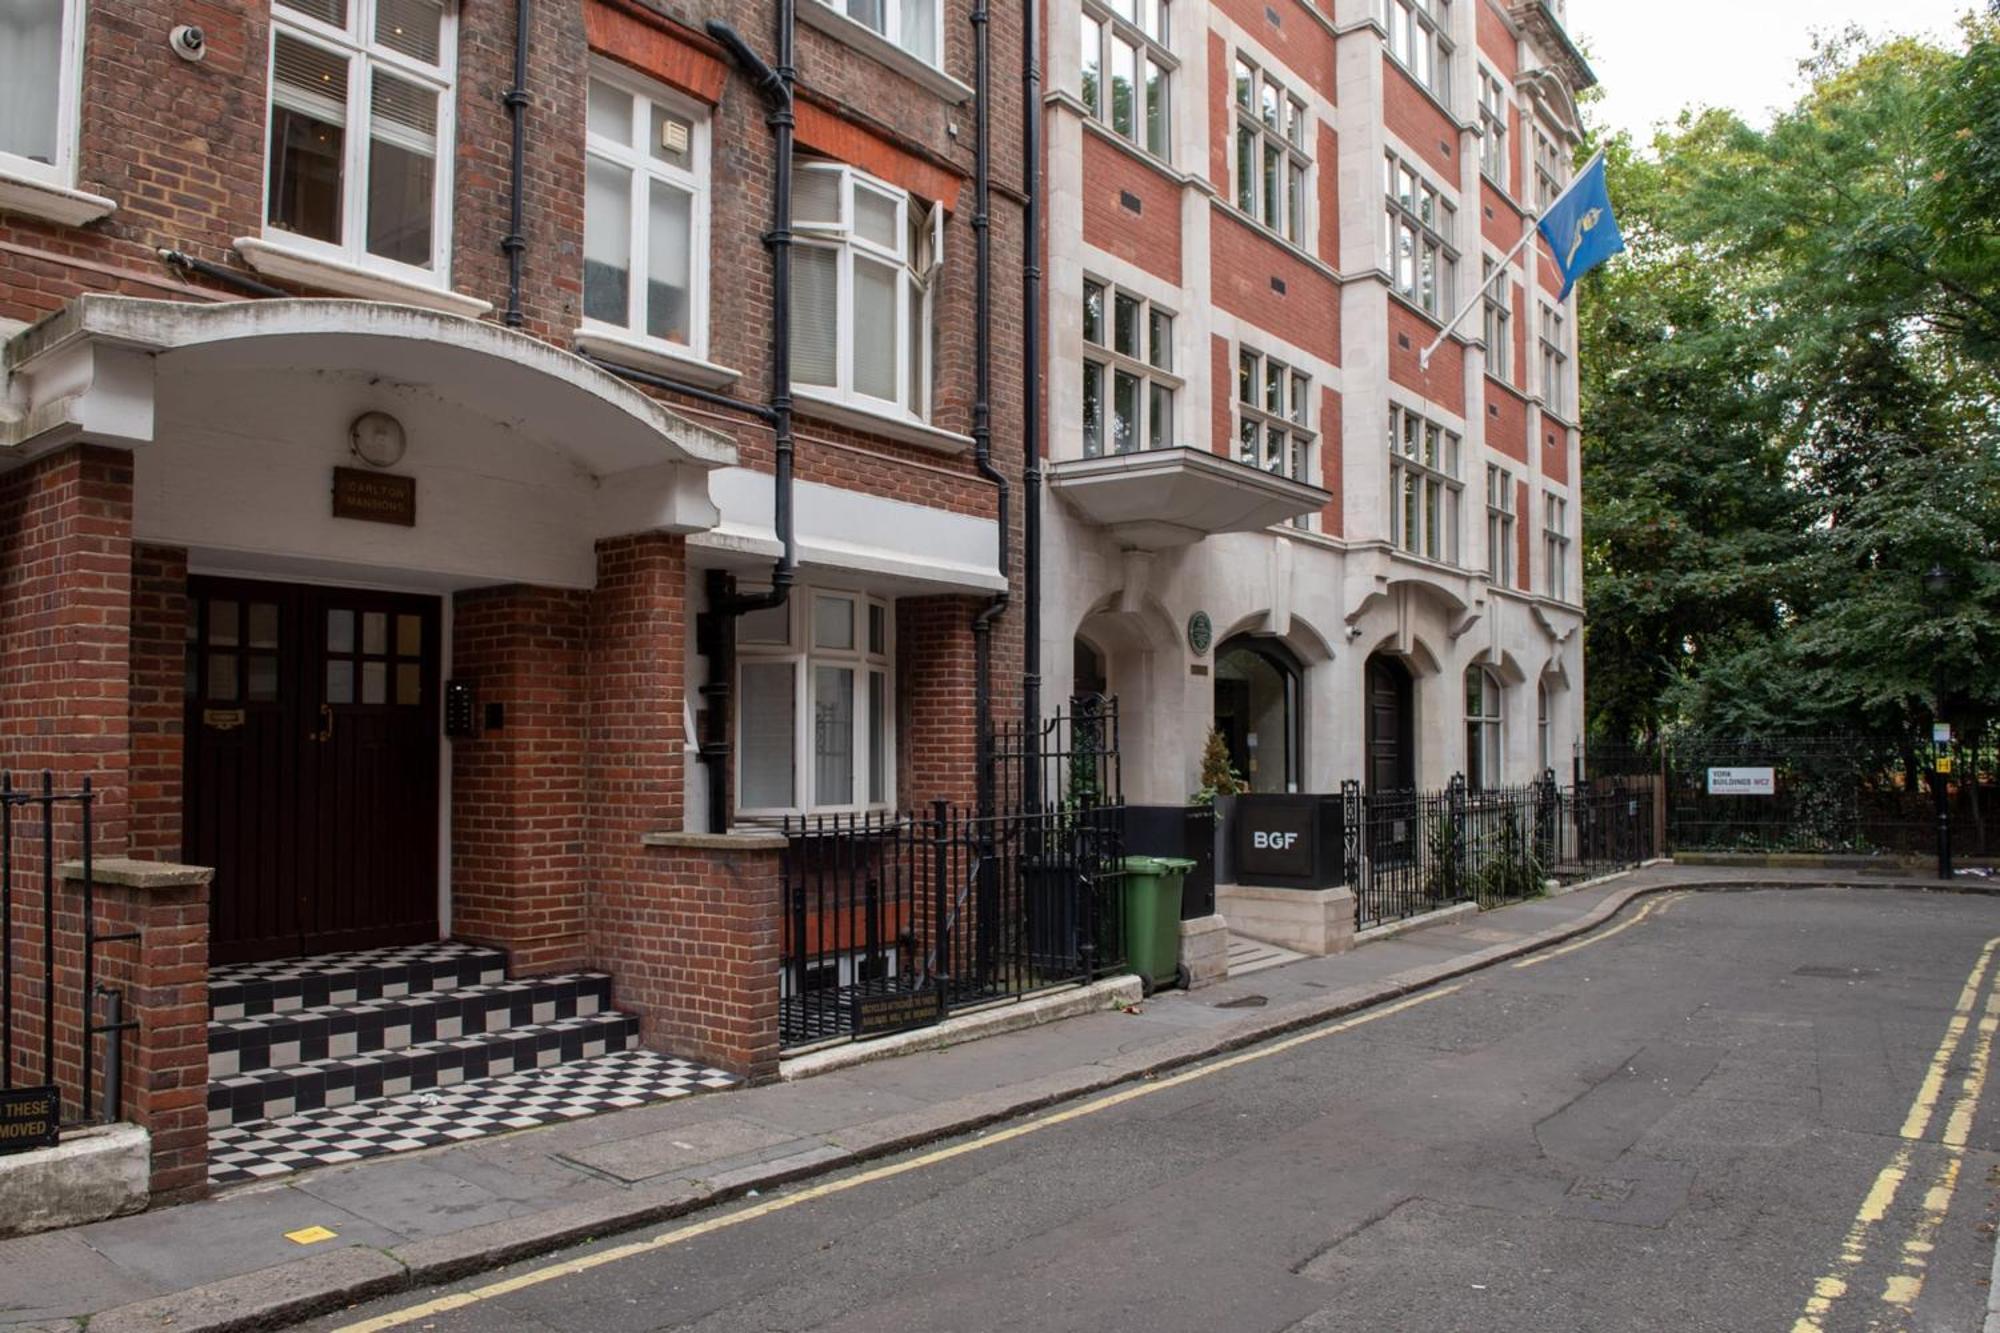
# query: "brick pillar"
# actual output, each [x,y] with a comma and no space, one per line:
[519,879]
[687,924]
[158,699]
[65,680]
[935,673]
[163,977]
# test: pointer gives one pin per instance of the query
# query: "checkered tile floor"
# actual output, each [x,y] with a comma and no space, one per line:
[268,1148]
[436,951]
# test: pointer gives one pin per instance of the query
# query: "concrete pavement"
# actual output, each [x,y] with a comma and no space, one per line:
[402,1222]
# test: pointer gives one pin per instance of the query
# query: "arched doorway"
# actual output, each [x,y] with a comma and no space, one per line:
[1392,758]
[1258,710]
[1091,674]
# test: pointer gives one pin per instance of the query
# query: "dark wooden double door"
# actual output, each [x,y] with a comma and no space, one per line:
[312,766]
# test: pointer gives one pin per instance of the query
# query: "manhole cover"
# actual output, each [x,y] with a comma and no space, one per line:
[1244,1002]
[1835,973]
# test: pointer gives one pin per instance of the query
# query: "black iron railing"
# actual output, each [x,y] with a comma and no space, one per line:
[1848,793]
[1410,852]
[894,920]
[39,1016]
[1072,755]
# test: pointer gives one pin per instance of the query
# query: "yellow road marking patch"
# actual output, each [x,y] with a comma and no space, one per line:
[310,1235]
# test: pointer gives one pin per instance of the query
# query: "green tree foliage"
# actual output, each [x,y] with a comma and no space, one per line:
[1792,406]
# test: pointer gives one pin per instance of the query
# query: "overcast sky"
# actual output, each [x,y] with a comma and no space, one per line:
[1654,59]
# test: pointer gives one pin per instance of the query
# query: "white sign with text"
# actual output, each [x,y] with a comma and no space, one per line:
[1742,782]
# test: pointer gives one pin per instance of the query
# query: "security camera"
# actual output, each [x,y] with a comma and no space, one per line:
[188,42]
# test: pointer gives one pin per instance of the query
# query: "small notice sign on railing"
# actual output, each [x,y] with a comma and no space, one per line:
[29,1118]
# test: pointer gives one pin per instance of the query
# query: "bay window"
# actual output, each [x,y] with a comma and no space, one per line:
[1417,238]
[1424,490]
[1128,379]
[645,216]
[40,88]
[359,160]
[1127,71]
[1273,418]
[865,259]
[815,725]
[1273,134]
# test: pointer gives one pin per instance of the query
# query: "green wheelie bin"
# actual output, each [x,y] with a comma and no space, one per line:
[1153,917]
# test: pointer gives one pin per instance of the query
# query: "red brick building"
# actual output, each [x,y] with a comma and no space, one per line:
[1261,216]
[353,545]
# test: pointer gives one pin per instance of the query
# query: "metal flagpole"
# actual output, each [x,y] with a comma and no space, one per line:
[1528,232]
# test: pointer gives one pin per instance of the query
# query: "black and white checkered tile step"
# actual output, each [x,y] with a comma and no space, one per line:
[469,1110]
[243,990]
[265,1094]
[342,1030]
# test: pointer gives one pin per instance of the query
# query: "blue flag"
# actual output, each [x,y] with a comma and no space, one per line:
[1579,227]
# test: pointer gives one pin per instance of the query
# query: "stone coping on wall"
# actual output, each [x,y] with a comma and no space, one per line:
[126,872]
[756,840]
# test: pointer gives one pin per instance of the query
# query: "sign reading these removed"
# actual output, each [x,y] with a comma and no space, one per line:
[1742,782]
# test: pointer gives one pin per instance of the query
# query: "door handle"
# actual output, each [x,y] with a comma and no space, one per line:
[325,731]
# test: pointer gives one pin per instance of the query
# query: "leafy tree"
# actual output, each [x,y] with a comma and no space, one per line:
[1790,407]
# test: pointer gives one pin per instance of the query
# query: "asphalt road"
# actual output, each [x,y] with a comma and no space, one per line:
[1743,1111]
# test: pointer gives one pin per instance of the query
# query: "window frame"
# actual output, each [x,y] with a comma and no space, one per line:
[892,15]
[1555,361]
[1545,747]
[1437,501]
[61,171]
[1425,25]
[365,54]
[843,238]
[1496,321]
[1406,192]
[1555,543]
[1493,124]
[643,167]
[1485,730]
[1149,365]
[1551,170]
[1500,531]
[803,654]
[1292,422]
[1294,152]
[1150,48]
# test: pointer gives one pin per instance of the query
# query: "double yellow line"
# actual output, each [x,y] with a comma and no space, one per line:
[1902,1287]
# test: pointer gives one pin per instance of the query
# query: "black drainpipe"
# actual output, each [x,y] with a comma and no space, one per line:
[1031,394]
[516,101]
[982,402]
[229,277]
[716,628]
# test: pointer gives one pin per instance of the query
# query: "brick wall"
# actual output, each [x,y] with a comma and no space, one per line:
[1246,270]
[1332,463]
[1506,421]
[936,753]
[1148,235]
[519,876]
[1444,381]
[158,709]
[1416,120]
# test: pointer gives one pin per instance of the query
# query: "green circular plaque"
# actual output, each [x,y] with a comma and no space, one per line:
[1200,632]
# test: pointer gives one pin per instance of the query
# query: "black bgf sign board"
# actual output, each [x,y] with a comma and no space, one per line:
[1287,841]
[29,1118]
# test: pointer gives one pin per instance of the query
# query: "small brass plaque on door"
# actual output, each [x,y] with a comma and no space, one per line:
[222,719]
